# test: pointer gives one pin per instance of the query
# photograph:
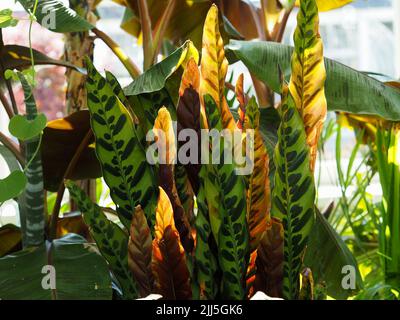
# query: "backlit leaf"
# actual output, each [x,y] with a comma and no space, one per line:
[214,67]
[269,262]
[308,75]
[258,193]
[169,261]
[140,253]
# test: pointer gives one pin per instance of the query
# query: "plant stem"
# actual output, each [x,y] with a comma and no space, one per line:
[8,143]
[145,23]
[160,29]
[32,18]
[61,188]
[6,104]
[132,68]
[282,25]
[7,81]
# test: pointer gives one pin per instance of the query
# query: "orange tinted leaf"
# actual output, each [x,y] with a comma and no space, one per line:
[72,223]
[140,252]
[269,262]
[308,75]
[165,137]
[190,77]
[164,215]
[258,193]
[169,266]
[241,99]
[214,67]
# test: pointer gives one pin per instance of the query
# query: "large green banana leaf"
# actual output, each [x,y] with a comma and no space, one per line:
[80,272]
[346,89]
[326,255]
[53,15]
[159,86]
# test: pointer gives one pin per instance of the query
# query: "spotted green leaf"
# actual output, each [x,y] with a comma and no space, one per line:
[293,193]
[111,240]
[122,158]
[206,257]
[233,234]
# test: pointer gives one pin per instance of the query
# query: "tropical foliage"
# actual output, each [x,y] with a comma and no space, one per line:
[197,229]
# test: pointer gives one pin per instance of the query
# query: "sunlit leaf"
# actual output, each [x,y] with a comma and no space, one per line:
[308,75]
[55,16]
[214,67]
[346,89]
[326,5]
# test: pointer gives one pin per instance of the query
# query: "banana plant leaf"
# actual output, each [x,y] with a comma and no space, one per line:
[18,57]
[346,89]
[159,86]
[187,19]
[61,139]
[10,239]
[326,255]
[80,272]
[55,16]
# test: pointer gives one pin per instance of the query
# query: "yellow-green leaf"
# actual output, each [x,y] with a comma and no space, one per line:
[308,75]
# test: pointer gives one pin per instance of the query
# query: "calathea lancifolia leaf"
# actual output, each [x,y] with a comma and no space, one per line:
[140,252]
[293,194]
[240,97]
[111,240]
[214,67]
[308,75]
[165,139]
[172,278]
[233,236]
[269,262]
[122,158]
[258,193]
[188,114]
[119,92]
[206,252]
